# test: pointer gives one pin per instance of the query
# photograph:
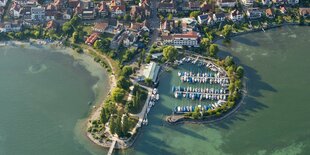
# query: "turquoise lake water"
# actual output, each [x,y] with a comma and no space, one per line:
[44,96]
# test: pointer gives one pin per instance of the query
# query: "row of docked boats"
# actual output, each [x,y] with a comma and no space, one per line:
[200,96]
[186,109]
[188,79]
[191,74]
[199,90]
[153,99]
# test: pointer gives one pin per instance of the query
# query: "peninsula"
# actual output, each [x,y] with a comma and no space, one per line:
[139,41]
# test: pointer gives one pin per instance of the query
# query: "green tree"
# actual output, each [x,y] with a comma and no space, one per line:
[127,71]
[279,19]
[228,61]
[170,16]
[126,125]
[227,32]
[104,116]
[213,50]
[127,17]
[194,14]
[66,27]
[36,33]
[148,58]
[123,83]
[204,44]
[170,53]
[238,84]
[301,20]
[196,113]
[240,71]
[148,81]
[118,125]
[112,125]
[118,95]
[97,44]
[75,36]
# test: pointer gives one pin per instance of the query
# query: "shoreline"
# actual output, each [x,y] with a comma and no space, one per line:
[95,110]
[94,113]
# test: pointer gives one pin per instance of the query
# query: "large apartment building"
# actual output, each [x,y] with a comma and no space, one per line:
[190,39]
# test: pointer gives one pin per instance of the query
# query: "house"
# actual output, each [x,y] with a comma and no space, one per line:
[265,2]
[136,27]
[117,39]
[203,18]
[117,8]
[151,71]
[86,10]
[305,12]
[10,26]
[247,2]
[139,12]
[254,13]
[59,4]
[37,13]
[102,9]
[219,17]
[169,7]
[279,2]
[236,15]
[50,12]
[100,27]
[30,3]
[26,13]
[92,38]
[293,2]
[3,2]
[205,7]
[73,3]
[130,38]
[16,10]
[227,3]
[168,26]
[191,6]
[67,14]
[51,25]
[283,9]
[269,13]
[189,39]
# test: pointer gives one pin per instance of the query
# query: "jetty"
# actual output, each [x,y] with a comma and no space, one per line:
[112,147]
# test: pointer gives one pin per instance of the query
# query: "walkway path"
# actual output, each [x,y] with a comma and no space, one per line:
[112,147]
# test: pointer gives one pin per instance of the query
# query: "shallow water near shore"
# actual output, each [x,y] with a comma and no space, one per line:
[44,99]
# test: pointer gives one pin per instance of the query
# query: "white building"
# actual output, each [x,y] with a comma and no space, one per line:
[190,39]
[37,13]
[247,2]
[16,10]
[3,2]
[236,15]
[151,71]
[254,13]
[203,18]
[10,27]
[226,3]
[266,2]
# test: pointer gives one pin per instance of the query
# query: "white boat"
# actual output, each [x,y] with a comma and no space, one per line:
[157,97]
